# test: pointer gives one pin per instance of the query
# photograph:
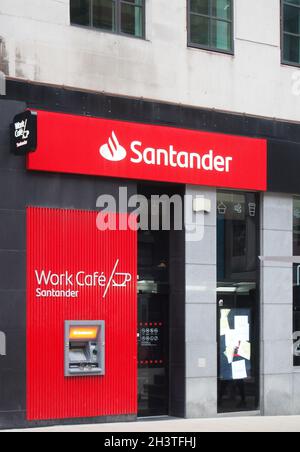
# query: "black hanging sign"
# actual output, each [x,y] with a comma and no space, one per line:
[24,133]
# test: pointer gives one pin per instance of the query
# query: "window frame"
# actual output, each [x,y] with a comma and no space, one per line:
[284,33]
[118,16]
[191,44]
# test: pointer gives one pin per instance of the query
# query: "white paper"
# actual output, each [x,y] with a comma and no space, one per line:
[239,371]
[245,350]
[229,353]
[241,321]
[224,327]
[243,333]
[231,339]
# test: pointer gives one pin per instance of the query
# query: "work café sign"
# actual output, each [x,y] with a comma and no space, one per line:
[103,147]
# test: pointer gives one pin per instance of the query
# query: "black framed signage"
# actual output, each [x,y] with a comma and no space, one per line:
[24,133]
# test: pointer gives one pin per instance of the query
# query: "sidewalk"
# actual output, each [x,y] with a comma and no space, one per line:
[236,424]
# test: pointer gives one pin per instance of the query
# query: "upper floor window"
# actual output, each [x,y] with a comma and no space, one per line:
[291,31]
[117,16]
[211,24]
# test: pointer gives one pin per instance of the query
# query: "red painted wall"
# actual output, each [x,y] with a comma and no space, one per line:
[60,241]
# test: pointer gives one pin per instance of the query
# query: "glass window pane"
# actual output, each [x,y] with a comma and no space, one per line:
[237,214]
[238,301]
[200,30]
[294,2]
[222,9]
[80,12]
[132,18]
[291,19]
[200,7]
[291,49]
[104,14]
[221,35]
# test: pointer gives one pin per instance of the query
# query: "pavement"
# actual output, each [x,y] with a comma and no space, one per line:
[222,424]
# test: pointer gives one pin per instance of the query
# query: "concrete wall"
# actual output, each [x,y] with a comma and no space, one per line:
[38,43]
[201,321]
[278,376]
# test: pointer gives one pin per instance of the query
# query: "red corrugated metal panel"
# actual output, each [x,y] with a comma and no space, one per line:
[68,241]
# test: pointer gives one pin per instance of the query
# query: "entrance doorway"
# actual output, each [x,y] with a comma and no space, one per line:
[161,312]
[153,324]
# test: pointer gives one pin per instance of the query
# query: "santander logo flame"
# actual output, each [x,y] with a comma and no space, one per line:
[112,150]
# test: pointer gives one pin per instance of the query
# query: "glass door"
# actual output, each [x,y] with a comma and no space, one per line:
[238,301]
[153,324]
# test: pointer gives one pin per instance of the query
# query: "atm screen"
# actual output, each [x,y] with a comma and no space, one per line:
[77,355]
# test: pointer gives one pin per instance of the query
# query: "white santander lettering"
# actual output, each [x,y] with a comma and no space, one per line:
[207,161]
[185,160]
[228,161]
[149,156]
[170,157]
[139,155]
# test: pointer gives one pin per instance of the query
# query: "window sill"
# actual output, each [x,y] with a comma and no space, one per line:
[210,50]
[287,64]
[110,33]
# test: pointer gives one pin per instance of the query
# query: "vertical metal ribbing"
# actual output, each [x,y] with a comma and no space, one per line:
[65,240]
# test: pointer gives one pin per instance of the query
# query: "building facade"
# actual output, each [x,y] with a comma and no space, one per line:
[206,94]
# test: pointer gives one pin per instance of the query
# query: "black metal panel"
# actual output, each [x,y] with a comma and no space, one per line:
[12,230]
[140,110]
[283,167]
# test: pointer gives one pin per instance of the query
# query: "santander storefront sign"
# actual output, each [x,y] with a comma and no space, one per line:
[114,152]
[102,147]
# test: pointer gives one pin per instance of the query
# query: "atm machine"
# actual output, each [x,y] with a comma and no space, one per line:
[84,348]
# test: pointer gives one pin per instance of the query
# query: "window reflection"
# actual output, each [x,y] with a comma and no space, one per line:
[80,12]
[211,24]
[237,236]
[117,16]
[104,12]
[291,31]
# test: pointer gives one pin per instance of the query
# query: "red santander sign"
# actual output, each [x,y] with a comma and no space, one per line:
[109,148]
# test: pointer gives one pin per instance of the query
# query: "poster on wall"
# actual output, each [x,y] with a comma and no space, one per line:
[235,344]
